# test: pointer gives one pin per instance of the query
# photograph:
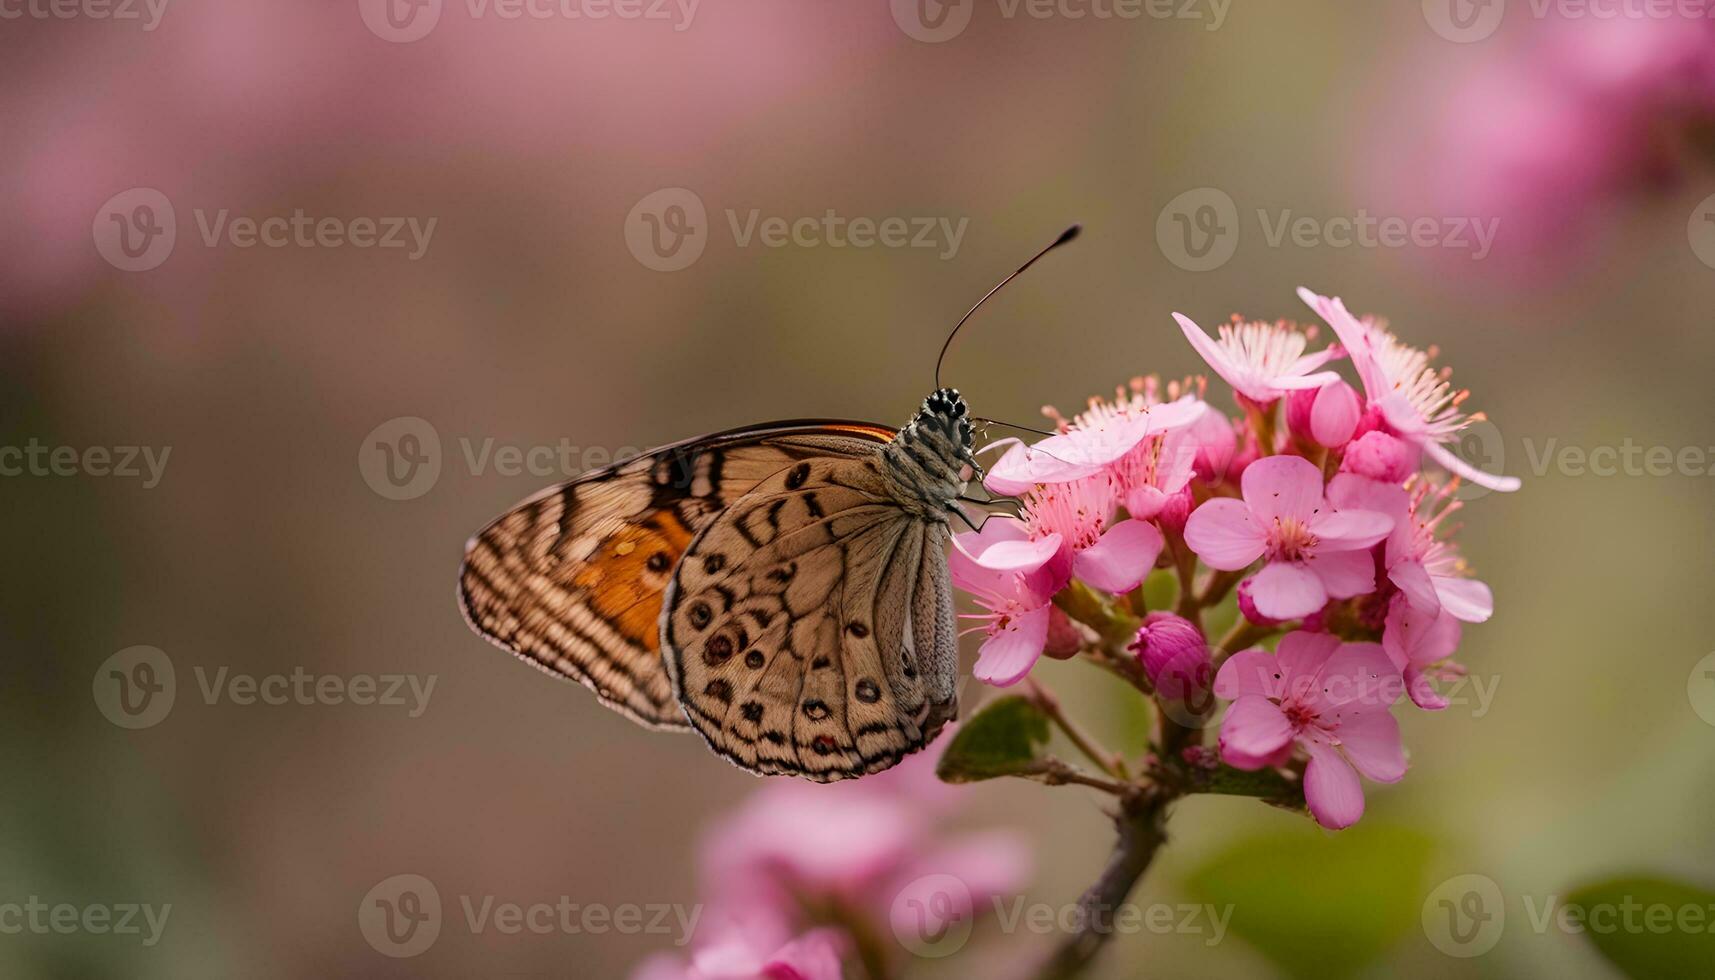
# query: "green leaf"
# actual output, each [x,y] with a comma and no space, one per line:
[1003,738]
[1264,784]
[1648,927]
[1318,904]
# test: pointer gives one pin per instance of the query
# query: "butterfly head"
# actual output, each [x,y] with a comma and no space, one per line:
[945,412]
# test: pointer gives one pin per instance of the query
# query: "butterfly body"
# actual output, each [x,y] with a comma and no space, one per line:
[780,589]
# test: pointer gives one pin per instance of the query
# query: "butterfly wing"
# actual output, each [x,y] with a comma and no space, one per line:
[809,629]
[572,578]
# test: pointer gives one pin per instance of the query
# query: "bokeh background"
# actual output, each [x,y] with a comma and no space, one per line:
[534,316]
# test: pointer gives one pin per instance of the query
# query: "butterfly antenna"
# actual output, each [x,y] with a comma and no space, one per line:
[1065,237]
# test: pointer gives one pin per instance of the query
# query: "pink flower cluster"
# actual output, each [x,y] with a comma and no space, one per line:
[802,874]
[1316,500]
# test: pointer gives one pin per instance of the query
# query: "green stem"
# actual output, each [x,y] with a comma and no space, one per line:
[1109,762]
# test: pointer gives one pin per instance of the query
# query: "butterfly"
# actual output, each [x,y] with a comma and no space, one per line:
[781,589]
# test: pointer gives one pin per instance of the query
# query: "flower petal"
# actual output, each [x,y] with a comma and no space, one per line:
[1345,574]
[1466,598]
[1413,580]
[1358,679]
[1457,466]
[1371,743]
[1122,558]
[1253,731]
[1250,672]
[1412,638]
[1020,555]
[1422,693]
[1332,789]
[1302,653]
[1343,530]
[1009,654]
[1335,413]
[1283,486]
[1287,590]
[1210,352]
[1223,534]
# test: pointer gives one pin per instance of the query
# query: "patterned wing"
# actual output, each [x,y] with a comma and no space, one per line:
[572,578]
[810,628]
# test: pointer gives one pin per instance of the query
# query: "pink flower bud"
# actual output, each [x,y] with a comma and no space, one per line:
[1380,456]
[1064,640]
[1215,445]
[1334,417]
[1174,655]
[1176,511]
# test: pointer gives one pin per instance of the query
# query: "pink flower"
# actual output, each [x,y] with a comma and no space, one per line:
[813,956]
[1327,698]
[1091,443]
[1435,590]
[1413,400]
[1009,574]
[794,851]
[1262,361]
[1315,551]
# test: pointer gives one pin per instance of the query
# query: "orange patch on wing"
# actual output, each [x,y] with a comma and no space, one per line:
[625,577]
